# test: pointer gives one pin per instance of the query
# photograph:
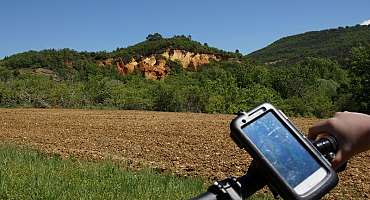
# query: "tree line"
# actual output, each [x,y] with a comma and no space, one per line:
[311,87]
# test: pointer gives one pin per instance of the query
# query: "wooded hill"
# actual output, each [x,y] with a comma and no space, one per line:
[335,44]
[70,64]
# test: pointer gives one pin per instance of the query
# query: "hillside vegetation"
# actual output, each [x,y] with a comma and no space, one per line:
[335,44]
[156,44]
[69,79]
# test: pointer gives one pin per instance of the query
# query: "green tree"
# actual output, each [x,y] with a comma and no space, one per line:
[360,85]
[167,99]
[97,89]
[5,74]
[154,37]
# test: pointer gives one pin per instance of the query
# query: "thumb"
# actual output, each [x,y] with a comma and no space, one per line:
[338,160]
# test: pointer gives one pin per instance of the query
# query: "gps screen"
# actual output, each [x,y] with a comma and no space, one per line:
[281,148]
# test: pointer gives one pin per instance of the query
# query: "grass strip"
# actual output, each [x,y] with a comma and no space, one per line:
[30,174]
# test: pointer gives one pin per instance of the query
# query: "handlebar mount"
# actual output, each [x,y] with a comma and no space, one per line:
[239,188]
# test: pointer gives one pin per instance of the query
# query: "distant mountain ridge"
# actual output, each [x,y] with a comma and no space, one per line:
[335,44]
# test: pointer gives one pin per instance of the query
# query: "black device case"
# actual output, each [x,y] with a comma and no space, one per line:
[272,175]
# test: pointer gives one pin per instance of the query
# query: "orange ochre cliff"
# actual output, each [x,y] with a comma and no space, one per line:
[156,67]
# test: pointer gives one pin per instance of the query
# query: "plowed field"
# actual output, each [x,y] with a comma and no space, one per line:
[186,144]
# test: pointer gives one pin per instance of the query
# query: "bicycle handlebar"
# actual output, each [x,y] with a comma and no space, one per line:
[248,184]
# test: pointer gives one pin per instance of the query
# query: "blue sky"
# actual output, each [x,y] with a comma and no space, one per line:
[94,25]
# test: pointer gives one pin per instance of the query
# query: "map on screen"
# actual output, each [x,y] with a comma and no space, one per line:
[281,148]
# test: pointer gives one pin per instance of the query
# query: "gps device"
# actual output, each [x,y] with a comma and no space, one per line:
[292,164]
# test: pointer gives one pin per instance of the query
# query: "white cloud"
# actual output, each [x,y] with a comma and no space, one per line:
[367,22]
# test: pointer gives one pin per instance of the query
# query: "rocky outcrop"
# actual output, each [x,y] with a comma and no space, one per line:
[189,59]
[156,67]
[125,69]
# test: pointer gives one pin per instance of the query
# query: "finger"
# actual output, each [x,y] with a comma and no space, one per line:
[337,114]
[319,128]
[338,160]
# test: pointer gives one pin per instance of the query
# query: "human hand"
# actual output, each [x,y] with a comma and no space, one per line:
[352,130]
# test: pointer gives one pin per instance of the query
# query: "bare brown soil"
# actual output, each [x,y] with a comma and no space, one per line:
[186,144]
